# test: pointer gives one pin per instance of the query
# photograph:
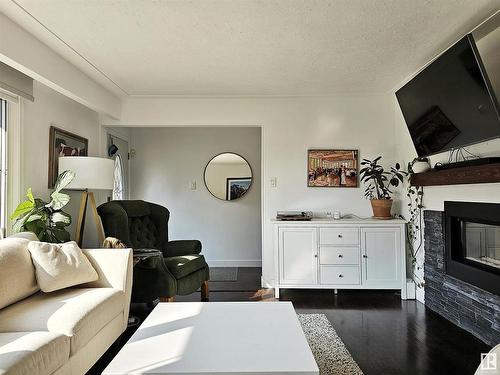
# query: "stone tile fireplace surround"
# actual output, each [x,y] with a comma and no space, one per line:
[469,307]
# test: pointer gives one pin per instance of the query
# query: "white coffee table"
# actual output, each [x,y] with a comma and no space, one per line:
[217,338]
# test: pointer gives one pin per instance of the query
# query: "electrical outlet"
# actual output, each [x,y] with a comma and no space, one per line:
[274,182]
[193,185]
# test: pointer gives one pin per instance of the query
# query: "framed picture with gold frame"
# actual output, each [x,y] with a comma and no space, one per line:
[63,143]
[332,168]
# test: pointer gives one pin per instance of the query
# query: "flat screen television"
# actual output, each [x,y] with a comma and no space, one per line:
[451,103]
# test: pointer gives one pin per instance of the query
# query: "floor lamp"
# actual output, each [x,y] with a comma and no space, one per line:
[90,174]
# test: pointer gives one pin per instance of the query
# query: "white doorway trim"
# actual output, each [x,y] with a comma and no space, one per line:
[124,136]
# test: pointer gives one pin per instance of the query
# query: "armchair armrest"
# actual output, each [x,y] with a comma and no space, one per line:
[182,247]
[114,268]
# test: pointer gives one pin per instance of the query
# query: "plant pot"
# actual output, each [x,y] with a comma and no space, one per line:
[381,208]
[421,166]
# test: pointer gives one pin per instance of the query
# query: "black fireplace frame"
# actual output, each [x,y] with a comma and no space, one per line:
[456,213]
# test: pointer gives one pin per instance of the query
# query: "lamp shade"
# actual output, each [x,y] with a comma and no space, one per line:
[90,173]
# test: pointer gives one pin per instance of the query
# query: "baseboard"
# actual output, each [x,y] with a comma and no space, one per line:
[266,284]
[234,263]
[421,295]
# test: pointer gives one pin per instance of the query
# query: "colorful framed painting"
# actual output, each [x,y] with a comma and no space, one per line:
[237,187]
[332,168]
[63,143]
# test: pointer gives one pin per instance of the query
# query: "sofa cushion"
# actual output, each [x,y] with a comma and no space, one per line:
[26,235]
[60,266]
[78,313]
[182,266]
[32,353]
[17,274]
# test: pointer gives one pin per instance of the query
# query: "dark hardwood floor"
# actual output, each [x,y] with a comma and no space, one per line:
[384,334]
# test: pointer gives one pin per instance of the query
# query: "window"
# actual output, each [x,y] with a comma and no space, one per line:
[118,179]
[3,168]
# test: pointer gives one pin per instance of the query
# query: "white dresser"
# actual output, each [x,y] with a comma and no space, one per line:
[340,254]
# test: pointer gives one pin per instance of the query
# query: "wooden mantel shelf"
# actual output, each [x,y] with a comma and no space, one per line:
[479,174]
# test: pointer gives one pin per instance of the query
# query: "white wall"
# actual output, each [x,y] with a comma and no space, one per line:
[24,52]
[434,196]
[52,108]
[167,160]
[290,126]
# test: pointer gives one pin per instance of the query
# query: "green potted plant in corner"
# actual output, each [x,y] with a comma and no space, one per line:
[414,226]
[379,184]
[46,219]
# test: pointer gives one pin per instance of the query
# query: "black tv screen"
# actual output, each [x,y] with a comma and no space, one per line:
[450,103]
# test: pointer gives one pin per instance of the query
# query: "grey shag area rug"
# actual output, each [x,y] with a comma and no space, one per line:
[223,273]
[328,350]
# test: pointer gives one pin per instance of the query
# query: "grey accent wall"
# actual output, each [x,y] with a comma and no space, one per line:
[168,159]
[52,108]
[467,306]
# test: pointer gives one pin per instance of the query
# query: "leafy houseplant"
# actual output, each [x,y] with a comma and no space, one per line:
[379,185]
[47,220]
[414,227]
[419,165]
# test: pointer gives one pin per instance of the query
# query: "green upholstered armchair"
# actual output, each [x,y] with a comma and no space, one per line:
[144,225]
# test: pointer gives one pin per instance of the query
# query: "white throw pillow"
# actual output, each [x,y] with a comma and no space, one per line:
[58,266]
[17,274]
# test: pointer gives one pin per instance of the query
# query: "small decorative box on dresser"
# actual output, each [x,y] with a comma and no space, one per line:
[340,254]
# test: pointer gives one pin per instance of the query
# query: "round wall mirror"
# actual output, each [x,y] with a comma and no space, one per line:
[228,176]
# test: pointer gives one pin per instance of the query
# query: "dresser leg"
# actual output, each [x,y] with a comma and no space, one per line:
[277,293]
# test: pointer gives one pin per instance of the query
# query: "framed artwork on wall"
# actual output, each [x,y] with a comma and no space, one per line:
[63,143]
[237,187]
[332,168]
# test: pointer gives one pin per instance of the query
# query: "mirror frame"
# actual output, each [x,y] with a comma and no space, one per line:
[205,172]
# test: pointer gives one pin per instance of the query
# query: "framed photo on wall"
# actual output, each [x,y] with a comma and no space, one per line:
[63,143]
[237,187]
[332,168]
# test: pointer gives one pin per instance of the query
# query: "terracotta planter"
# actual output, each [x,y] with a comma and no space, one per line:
[381,208]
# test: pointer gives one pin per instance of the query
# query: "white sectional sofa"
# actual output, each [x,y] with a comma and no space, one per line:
[66,331]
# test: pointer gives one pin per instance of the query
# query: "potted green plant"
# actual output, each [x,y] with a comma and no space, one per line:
[46,219]
[420,165]
[414,226]
[379,184]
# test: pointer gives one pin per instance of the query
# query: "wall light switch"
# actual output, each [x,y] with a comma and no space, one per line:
[193,185]
[274,182]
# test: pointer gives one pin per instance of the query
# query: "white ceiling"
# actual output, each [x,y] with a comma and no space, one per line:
[248,47]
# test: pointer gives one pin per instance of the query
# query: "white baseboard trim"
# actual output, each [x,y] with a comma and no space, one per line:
[420,295]
[266,284]
[234,263]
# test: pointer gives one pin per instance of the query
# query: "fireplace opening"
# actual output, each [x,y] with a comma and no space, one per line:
[482,244]
[472,239]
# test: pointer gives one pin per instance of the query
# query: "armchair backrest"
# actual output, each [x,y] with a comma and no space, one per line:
[137,223]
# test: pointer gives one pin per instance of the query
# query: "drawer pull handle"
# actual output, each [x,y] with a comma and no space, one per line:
[341,275]
[341,256]
[315,255]
[365,256]
[340,236]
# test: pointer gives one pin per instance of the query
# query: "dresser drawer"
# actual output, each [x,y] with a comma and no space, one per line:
[338,255]
[339,236]
[342,275]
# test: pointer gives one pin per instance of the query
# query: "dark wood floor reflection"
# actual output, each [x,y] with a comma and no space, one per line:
[384,334]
